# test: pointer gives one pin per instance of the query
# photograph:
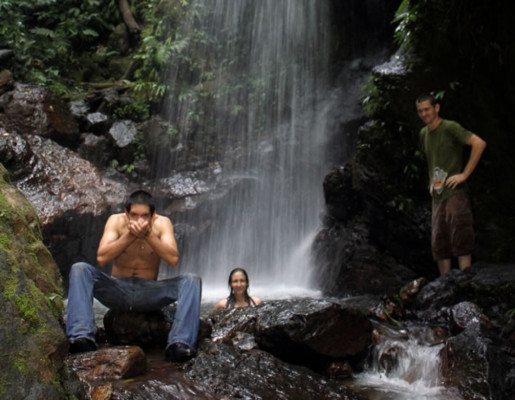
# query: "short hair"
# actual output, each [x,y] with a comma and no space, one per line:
[428,97]
[140,197]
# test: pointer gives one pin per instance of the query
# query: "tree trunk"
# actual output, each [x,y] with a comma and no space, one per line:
[129,20]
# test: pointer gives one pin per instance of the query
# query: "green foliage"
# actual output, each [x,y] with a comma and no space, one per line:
[137,110]
[48,35]
[461,51]
[158,44]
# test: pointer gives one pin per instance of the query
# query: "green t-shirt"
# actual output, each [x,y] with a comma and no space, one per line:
[444,152]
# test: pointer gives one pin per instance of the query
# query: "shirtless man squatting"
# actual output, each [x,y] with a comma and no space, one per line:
[135,241]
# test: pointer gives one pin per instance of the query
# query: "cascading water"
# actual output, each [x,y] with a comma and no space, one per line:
[262,92]
[404,366]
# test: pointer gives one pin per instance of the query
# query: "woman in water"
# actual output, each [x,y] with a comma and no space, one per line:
[239,296]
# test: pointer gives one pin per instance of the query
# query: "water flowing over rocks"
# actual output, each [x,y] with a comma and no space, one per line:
[474,307]
[301,348]
[59,157]
[285,349]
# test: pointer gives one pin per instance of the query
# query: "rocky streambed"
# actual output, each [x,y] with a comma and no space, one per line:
[313,348]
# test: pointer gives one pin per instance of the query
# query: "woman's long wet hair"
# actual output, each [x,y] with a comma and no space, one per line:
[231,300]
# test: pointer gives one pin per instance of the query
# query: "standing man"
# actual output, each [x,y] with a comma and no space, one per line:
[452,225]
[136,241]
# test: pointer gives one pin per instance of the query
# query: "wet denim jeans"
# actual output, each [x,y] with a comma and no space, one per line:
[125,294]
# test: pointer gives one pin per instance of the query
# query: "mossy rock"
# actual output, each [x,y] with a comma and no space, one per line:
[32,340]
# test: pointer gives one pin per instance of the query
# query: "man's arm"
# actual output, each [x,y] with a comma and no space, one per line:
[112,243]
[164,243]
[478,146]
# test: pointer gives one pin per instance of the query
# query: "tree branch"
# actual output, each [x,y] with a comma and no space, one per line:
[128,19]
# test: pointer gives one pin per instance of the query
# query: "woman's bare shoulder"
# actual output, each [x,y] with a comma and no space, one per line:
[257,300]
[221,304]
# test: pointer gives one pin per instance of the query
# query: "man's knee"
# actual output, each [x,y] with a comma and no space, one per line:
[80,266]
[192,278]
[80,269]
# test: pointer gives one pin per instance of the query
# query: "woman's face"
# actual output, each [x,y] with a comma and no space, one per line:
[239,282]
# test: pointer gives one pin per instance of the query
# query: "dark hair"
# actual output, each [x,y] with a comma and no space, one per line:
[231,300]
[428,97]
[140,197]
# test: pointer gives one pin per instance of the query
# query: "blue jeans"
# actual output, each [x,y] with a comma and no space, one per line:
[125,294]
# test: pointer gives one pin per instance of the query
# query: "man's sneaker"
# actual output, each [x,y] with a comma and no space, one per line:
[82,345]
[179,352]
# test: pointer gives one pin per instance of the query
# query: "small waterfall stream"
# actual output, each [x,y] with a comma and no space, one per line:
[404,366]
[262,93]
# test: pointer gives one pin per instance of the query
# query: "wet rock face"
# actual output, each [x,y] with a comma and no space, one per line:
[241,355]
[411,289]
[348,263]
[341,200]
[306,332]
[145,329]
[474,307]
[120,362]
[479,364]
[36,111]
[6,82]
[31,337]
[466,313]
[55,179]
[257,374]
[489,286]
[357,227]
[71,196]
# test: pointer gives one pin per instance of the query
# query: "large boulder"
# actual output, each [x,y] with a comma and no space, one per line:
[489,286]
[36,110]
[309,332]
[31,337]
[365,245]
[479,364]
[71,196]
[256,374]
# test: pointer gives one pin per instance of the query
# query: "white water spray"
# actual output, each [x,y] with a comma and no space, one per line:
[266,66]
[404,370]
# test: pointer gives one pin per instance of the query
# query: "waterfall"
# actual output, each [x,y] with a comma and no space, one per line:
[260,92]
[404,369]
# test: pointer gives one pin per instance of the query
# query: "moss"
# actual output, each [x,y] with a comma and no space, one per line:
[6,210]
[30,299]
[20,363]
[27,301]
[4,241]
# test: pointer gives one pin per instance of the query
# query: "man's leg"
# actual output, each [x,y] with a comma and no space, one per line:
[186,290]
[187,317]
[462,229]
[86,282]
[80,320]
[444,265]
[440,237]
[465,261]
